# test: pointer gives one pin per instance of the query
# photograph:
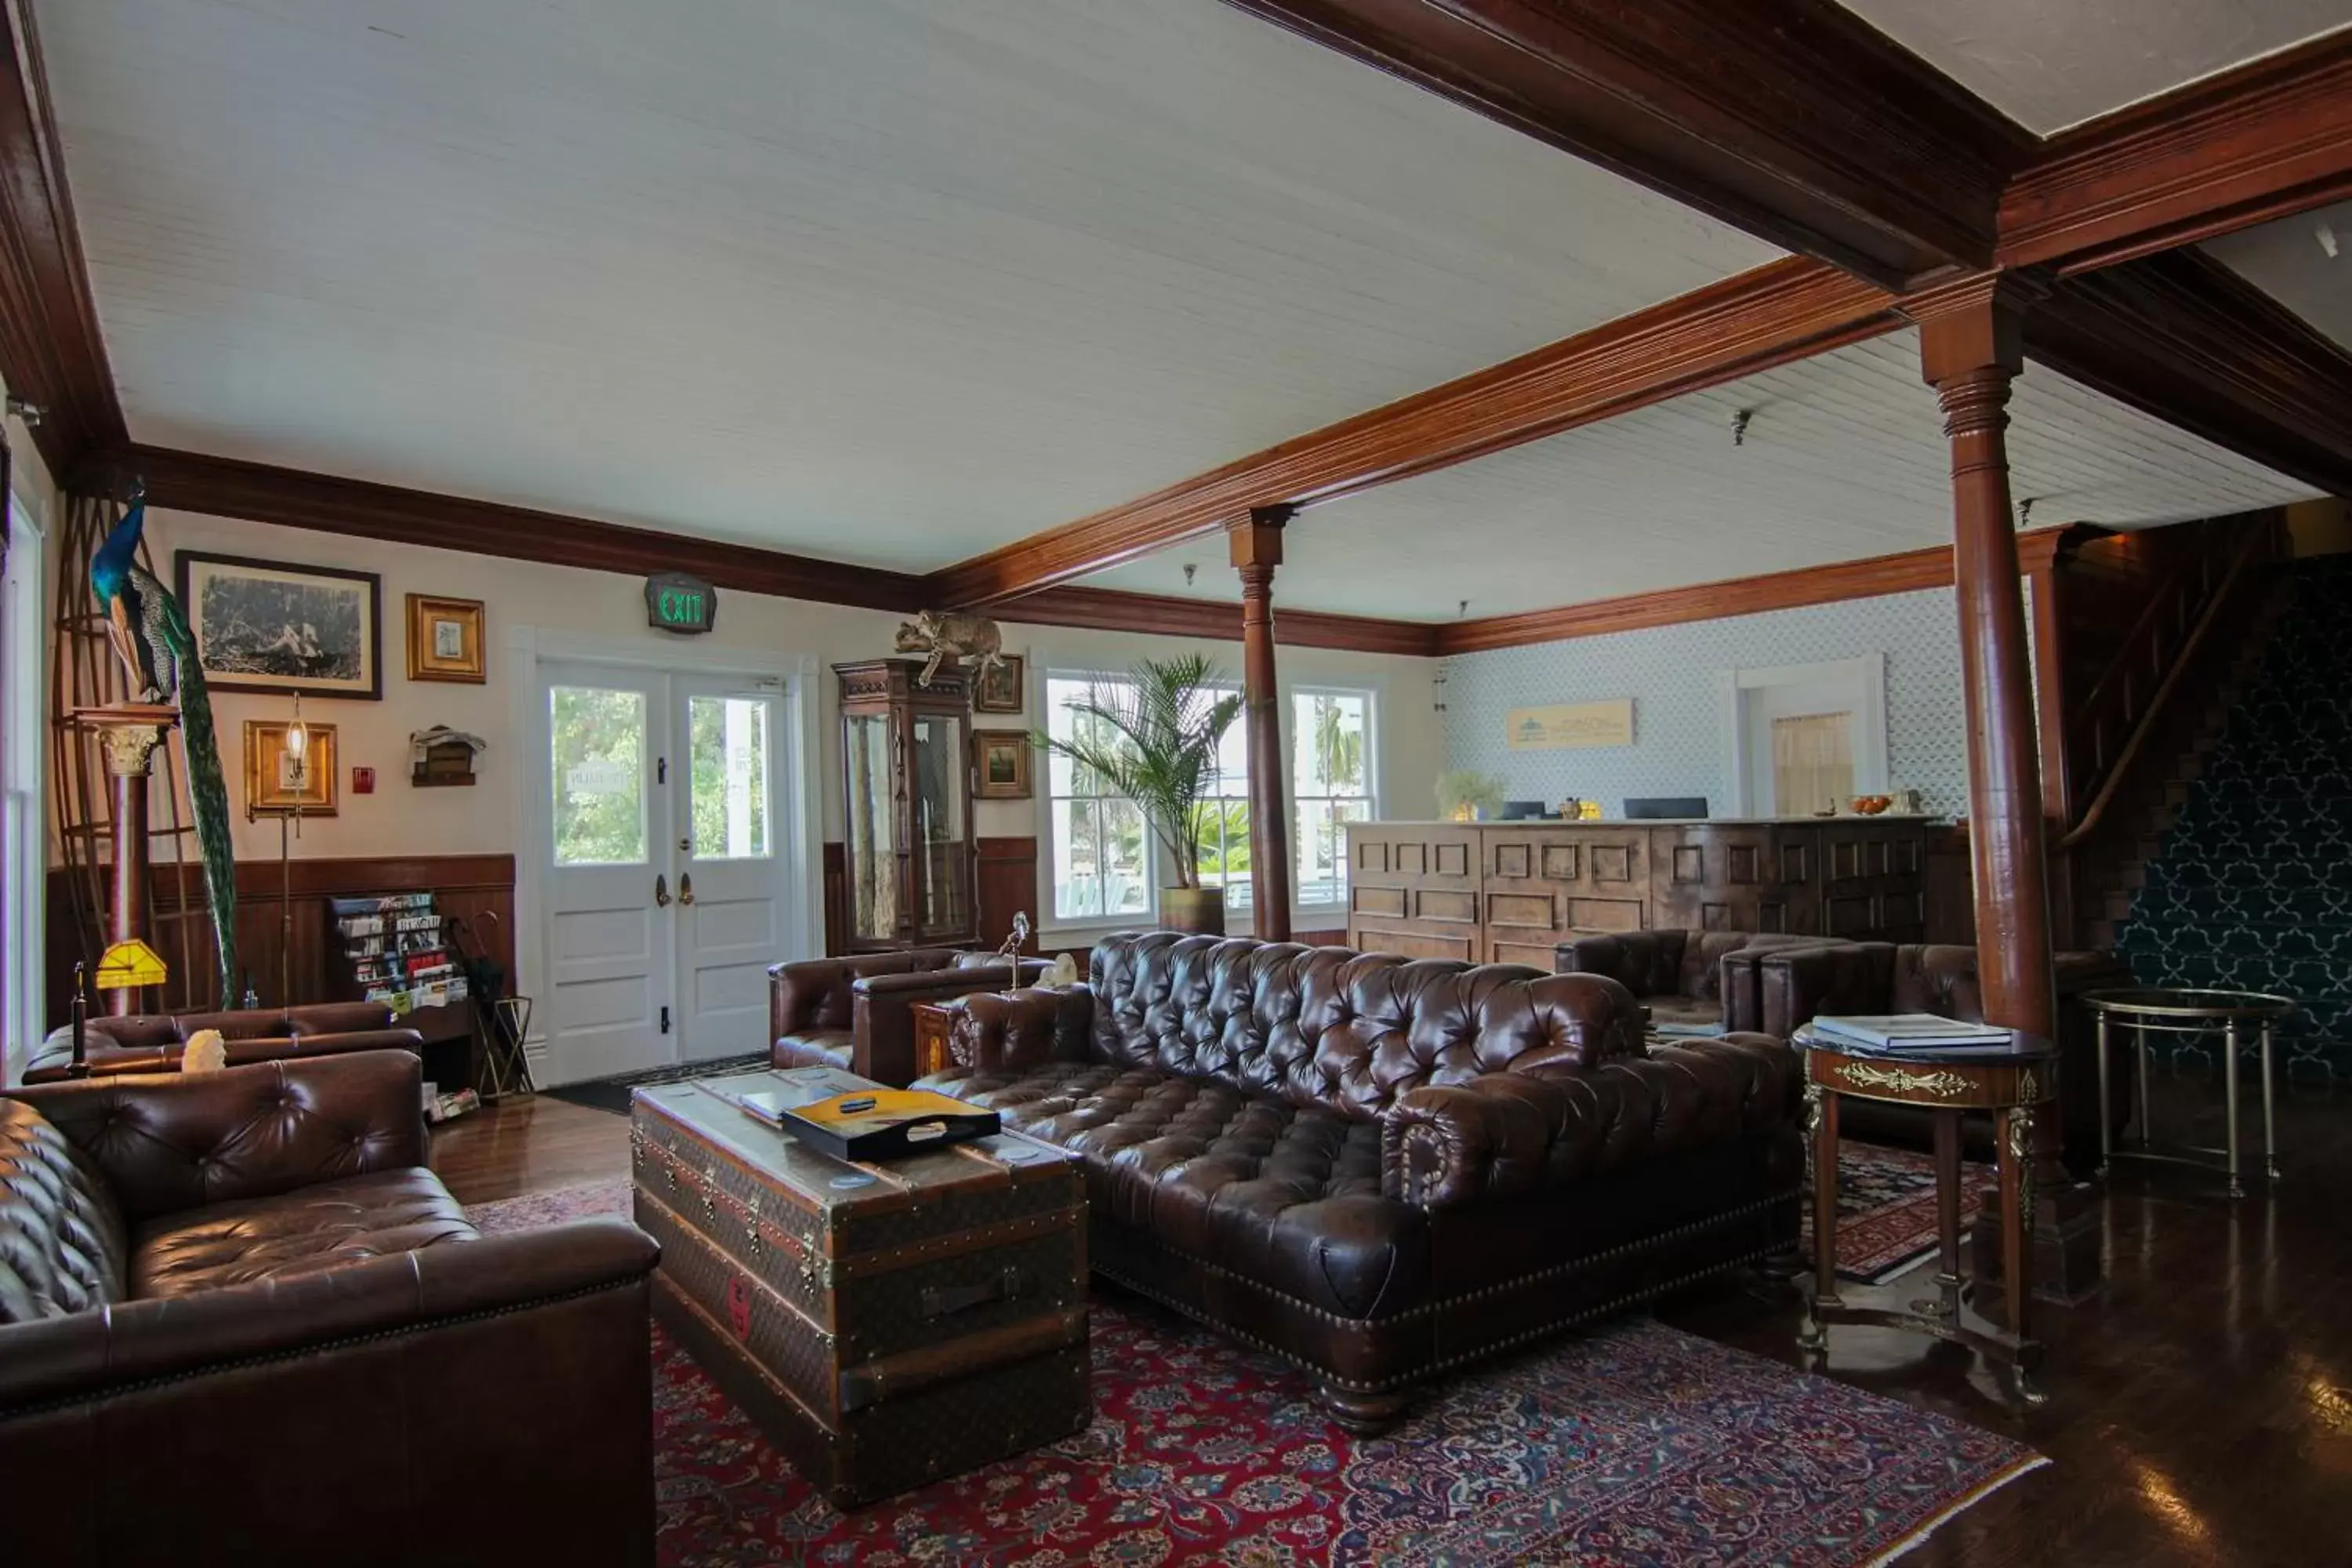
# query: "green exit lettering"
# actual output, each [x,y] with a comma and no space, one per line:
[680,602]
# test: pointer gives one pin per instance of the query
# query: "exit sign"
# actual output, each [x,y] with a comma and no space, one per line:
[677,602]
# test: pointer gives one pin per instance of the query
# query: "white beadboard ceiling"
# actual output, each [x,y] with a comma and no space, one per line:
[2049,64]
[2291,261]
[1843,458]
[889,281]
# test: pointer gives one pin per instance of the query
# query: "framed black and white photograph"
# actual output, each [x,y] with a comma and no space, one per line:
[268,626]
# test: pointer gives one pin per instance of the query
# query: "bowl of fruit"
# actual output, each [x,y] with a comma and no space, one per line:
[1870,804]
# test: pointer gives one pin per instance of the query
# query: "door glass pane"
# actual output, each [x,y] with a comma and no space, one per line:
[873,859]
[940,759]
[729,738]
[597,743]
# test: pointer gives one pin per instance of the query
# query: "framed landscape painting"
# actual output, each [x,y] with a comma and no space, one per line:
[267,626]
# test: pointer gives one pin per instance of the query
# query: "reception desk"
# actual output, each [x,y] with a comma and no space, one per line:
[1509,892]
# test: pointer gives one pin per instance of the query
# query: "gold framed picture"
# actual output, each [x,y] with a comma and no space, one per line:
[999,764]
[1001,689]
[277,783]
[445,639]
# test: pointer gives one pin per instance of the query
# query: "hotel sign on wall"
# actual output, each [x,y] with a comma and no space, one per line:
[1570,726]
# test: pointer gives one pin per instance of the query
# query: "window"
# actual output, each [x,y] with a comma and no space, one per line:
[1225,818]
[1330,783]
[598,738]
[1101,848]
[729,739]
[23,853]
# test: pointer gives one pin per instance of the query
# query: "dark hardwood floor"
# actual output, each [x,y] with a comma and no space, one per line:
[2201,1408]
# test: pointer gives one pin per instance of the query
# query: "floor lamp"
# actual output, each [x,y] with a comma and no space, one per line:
[294,780]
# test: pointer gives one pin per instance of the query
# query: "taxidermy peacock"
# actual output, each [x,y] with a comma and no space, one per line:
[150,635]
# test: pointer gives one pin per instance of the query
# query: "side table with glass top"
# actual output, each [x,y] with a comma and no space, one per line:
[2192,1012]
[2014,1086]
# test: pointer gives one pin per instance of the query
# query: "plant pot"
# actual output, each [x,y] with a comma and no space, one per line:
[1199,911]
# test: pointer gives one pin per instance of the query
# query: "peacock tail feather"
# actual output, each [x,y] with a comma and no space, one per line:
[207,790]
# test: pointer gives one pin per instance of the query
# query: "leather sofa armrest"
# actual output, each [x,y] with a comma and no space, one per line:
[1005,1031]
[1592,954]
[883,1014]
[84,1355]
[1503,1134]
[165,1144]
[1795,986]
[340,1018]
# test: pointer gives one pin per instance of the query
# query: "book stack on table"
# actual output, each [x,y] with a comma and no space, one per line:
[1900,1033]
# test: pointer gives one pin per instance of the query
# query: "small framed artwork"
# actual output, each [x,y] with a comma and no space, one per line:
[1000,689]
[267,626]
[277,783]
[445,639]
[1000,762]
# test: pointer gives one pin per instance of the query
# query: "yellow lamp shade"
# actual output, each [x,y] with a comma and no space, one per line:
[128,964]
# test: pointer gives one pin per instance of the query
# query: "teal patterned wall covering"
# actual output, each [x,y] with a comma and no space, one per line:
[2252,889]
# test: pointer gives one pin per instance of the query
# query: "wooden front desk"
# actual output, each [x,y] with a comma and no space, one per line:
[1509,892]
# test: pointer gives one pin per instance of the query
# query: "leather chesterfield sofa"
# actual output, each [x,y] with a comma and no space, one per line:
[1380,1168]
[859,1010]
[152,1042]
[1876,977]
[240,1323]
[1689,977]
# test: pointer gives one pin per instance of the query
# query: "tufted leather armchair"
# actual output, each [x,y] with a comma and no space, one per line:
[1872,977]
[152,1042]
[859,1010]
[1682,976]
[241,1323]
[1382,1168]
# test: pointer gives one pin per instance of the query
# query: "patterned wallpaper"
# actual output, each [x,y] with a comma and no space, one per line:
[1671,673]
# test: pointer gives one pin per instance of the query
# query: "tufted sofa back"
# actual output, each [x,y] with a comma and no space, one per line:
[151,1030]
[1328,1025]
[64,1245]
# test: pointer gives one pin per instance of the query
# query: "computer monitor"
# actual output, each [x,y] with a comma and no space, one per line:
[1651,808]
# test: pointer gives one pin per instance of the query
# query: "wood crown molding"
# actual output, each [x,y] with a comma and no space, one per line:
[1105,609]
[1767,316]
[2183,338]
[1794,120]
[1906,573]
[2264,141]
[51,350]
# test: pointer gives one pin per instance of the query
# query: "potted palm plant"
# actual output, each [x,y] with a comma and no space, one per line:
[1153,738]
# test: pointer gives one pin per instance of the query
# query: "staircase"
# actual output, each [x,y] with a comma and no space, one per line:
[2249,886]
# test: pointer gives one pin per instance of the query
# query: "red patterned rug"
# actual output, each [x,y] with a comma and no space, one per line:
[1632,1445]
[1886,1210]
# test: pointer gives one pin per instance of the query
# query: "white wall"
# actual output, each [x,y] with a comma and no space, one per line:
[1673,675]
[24,709]
[401,819]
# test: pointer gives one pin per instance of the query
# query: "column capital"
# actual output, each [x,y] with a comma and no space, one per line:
[1257,540]
[1974,324]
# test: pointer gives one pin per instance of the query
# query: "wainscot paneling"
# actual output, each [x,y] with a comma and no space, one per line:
[478,889]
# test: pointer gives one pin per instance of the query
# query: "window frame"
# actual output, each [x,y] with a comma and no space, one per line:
[1055,926]
[1370,697]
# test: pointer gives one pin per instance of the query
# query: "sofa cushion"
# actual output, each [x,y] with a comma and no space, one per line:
[310,1228]
[63,1244]
[1287,1195]
[816,1048]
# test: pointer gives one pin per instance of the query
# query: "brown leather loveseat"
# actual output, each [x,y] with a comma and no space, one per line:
[1878,978]
[1688,977]
[152,1042]
[857,1011]
[1382,1168]
[241,1323]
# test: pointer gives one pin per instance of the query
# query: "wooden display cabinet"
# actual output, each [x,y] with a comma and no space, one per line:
[909,852]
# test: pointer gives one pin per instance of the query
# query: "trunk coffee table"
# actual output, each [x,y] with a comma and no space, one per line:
[885,1324]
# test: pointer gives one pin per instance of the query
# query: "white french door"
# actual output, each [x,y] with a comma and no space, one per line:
[664,878]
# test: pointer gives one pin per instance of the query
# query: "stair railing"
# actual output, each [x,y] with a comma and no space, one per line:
[2136,689]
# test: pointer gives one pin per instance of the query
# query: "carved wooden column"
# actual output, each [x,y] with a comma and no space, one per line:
[1971,344]
[1256,552]
[129,736]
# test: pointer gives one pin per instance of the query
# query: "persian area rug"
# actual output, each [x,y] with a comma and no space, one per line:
[1633,1445]
[1886,1210]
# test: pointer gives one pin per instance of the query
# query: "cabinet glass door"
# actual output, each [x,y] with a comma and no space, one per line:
[943,845]
[872,856]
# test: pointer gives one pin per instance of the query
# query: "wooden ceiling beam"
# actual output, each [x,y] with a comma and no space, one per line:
[1780,311]
[1162,615]
[2183,338]
[51,350]
[2265,141]
[1794,120]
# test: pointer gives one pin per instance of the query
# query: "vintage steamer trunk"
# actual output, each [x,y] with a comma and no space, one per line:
[885,1325]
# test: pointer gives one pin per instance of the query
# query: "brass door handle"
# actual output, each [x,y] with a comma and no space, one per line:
[685,887]
[661,891]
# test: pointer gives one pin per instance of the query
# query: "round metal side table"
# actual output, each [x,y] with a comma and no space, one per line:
[2161,1010]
